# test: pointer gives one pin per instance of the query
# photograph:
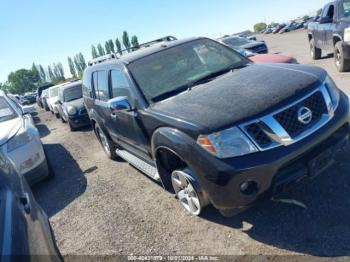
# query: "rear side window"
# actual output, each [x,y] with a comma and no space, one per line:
[101,85]
[120,84]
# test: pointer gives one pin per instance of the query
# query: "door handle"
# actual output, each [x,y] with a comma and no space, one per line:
[25,201]
[114,115]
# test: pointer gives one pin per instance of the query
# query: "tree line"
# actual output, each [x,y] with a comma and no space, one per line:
[28,80]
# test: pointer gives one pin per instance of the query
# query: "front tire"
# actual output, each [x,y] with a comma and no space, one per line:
[342,64]
[107,145]
[315,52]
[188,192]
[57,115]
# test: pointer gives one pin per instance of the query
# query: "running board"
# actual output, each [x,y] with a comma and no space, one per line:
[140,164]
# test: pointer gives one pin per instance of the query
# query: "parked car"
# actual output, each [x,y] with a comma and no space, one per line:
[52,100]
[242,42]
[43,99]
[332,34]
[71,106]
[39,91]
[25,232]
[268,31]
[20,141]
[278,28]
[211,126]
[31,97]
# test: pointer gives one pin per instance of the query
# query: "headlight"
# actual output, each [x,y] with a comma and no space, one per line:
[20,139]
[347,35]
[333,91]
[227,143]
[71,110]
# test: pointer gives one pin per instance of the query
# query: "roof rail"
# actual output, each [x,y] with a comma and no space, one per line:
[116,55]
[103,58]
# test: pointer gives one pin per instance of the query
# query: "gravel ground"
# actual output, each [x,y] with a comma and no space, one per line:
[102,207]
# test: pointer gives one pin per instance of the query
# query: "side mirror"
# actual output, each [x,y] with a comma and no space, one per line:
[326,20]
[120,103]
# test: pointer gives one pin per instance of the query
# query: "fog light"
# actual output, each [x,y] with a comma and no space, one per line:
[248,188]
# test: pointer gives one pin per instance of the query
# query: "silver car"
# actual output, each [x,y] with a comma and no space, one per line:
[20,141]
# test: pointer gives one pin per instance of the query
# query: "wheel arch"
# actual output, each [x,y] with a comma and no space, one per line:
[336,39]
[168,152]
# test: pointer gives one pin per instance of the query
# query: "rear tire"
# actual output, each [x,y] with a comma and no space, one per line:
[57,115]
[315,52]
[342,64]
[107,145]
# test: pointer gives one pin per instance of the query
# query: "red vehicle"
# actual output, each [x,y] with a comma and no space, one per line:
[272,58]
[278,28]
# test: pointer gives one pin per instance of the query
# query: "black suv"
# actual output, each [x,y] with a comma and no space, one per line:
[210,125]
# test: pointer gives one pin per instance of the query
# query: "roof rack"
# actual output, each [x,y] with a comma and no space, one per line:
[116,55]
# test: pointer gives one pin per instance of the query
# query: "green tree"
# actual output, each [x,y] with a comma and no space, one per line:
[22,81]
[118,46]
[126,41]
[107,48]
[36,75]
[71,67]
[82,61]
[306,17]
[319,12]
[94,53]
[5,87]
[134,42]
[272,25]
[100,49]
[50,74]
[111,45]
[259,27]
[42,74]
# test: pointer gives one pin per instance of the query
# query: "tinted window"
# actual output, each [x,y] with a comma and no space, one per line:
[72,93]
[120,84]
[236,41]
[166,72]
[100,85]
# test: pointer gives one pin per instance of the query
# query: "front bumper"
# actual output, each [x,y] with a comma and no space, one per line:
[270,170]
[79,121]
[346,49]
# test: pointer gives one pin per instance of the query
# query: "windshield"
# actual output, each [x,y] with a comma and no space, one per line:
[53,92]
[6,111]
[172,69]
[236,41]
[344,10]
[72,93]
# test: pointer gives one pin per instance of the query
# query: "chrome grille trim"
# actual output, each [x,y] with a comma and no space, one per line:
[275,131]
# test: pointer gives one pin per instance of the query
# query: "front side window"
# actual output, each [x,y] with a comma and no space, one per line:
[168,71]
[120,84]
[6,111]
[72,93]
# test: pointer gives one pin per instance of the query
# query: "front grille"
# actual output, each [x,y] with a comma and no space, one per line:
[288,118]
[83,111]
[258,135]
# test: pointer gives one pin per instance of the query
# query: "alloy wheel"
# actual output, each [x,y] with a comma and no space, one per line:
[186,192]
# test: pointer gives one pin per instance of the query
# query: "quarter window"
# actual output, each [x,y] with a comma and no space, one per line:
[120,84]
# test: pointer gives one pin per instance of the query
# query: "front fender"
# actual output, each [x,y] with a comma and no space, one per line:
[178,142]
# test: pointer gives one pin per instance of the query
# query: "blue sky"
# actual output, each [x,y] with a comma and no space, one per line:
[45,32]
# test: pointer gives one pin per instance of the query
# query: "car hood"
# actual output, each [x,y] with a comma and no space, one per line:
[77,103]
[240,95]
[9,128]
[252,45]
